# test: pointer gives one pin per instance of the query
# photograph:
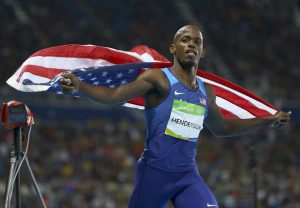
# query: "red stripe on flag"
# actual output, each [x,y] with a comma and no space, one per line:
[90,52]
[138,101]
[40,71]
[231,85]
[141,49]
[163,61]
[161,64]
[239,101]
[227,114]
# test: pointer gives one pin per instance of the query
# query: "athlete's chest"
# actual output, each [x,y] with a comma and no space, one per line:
[187,112]
[181,93]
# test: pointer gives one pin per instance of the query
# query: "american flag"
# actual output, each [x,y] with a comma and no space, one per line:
[109,67]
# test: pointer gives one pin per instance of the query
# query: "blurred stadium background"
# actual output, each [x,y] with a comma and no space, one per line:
[84,154]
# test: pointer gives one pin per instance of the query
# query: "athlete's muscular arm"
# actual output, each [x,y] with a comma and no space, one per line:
[146,81]
[233,127]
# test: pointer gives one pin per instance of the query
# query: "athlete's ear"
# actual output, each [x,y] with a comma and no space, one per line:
[203,53]
[172,48]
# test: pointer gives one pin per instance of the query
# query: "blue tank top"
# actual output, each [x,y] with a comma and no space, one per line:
[174,126]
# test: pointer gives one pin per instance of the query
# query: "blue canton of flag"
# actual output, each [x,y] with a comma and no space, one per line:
[109,76]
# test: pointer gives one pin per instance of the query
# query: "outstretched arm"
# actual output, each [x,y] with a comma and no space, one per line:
[233,127]
[142,84]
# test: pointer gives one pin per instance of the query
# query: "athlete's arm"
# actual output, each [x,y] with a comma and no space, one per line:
[146,81]
[233,127]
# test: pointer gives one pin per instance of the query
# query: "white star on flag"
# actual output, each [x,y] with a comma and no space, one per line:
[108,81]
[119,75]
[56,85]
[123,82]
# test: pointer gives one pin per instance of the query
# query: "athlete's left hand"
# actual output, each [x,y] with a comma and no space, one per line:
[280,119]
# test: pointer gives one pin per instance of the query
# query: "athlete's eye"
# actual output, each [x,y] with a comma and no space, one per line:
[198,42]
[184,39]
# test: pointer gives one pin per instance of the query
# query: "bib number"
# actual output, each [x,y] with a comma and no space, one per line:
[186,121]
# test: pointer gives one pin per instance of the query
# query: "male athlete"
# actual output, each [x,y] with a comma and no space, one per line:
[177,104]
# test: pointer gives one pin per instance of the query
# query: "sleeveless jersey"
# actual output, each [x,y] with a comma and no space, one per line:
[174,126]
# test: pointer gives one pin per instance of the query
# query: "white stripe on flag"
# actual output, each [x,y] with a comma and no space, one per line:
[129,105]
[232,108]
[64,62]
[145,57]
[29,88]
[253,101]
[34,78]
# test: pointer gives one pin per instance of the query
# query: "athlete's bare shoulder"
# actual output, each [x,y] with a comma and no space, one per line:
[160,87]
[155,72]
[157,77]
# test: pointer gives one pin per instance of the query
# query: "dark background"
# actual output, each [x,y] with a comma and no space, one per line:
[83,154]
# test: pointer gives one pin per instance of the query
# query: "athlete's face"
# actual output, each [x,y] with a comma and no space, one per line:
[187,45]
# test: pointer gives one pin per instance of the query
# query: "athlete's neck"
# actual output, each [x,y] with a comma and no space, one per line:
[186,74]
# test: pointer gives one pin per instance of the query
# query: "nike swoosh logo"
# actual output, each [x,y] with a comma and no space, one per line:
[211,205]
[178,93]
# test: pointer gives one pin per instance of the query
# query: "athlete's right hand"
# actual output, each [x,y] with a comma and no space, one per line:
[69,83]
[280,119]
